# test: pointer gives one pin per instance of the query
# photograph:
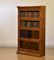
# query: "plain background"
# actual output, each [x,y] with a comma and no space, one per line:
[8,21]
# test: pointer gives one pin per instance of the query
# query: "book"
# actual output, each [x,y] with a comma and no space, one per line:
[34,24]
[26,14]
[21,33]
[28,34]
[23,24]
[22,14]
[34,14]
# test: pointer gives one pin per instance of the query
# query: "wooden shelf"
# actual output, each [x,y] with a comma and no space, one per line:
[29,19]
[29,39]
[29,29]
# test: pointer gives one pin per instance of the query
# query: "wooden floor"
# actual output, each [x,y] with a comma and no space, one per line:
[10,54]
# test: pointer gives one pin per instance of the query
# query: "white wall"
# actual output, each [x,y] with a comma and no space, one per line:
[8,21]
[50,24]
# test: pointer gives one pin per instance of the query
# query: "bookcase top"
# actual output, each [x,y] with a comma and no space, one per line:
[29,6]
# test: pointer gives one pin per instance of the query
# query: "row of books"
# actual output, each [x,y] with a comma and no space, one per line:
[29,45]
[29,24]
[29,13]
[29,34]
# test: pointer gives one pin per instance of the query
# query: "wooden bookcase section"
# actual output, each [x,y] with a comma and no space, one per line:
[31,30]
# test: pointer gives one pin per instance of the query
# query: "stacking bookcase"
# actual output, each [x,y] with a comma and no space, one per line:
[31,30]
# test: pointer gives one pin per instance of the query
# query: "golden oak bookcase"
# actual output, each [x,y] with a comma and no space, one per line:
[31,30]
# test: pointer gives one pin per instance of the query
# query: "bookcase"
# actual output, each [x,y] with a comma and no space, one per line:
[31,30]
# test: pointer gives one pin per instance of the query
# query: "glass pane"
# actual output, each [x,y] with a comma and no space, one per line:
[35,46]
[28,34]
[26,14]
[35,34]
[22,13]
[34,14]
[34,24]
[27,45]
[22,33]
[21,44]
[25,34]
[23,24]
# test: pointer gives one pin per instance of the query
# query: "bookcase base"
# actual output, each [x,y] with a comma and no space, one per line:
[29,53]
